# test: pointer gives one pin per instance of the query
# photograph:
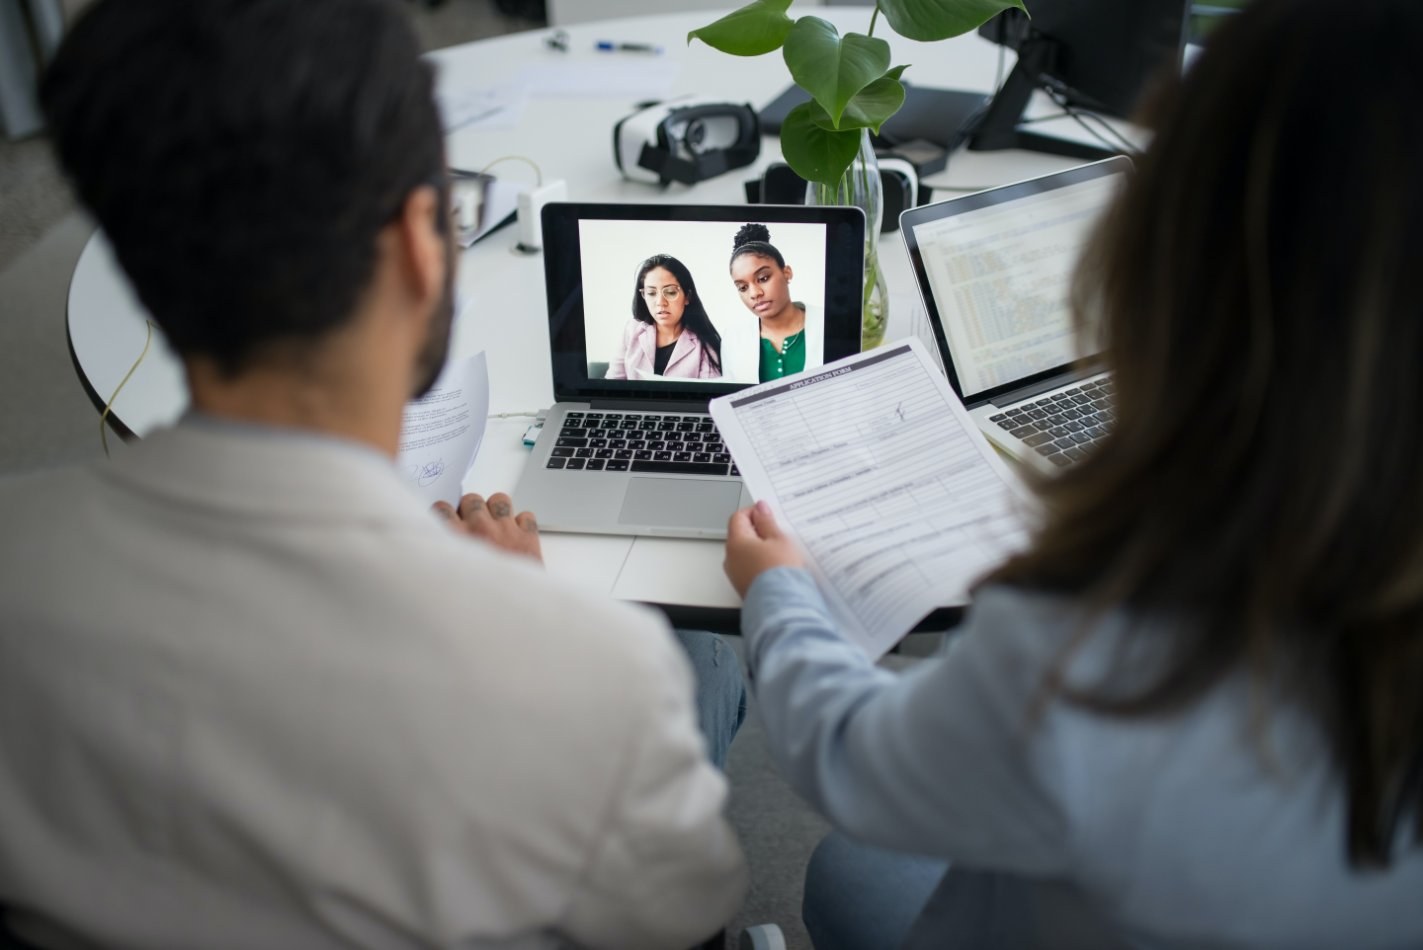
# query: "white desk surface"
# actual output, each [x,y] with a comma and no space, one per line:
[570,138]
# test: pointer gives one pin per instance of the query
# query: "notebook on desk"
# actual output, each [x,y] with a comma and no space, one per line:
[629,446]
[994,270]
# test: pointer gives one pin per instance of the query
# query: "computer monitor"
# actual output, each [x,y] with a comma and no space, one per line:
[1091,55]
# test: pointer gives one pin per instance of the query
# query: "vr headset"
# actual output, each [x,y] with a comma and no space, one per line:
[686,141]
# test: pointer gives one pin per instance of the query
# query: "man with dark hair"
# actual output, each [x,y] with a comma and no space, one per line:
[255,694]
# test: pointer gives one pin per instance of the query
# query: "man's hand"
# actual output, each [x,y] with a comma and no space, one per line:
[494,521]
[754,543]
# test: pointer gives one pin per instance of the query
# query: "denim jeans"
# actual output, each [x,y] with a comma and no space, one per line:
[862,898]
[721,691]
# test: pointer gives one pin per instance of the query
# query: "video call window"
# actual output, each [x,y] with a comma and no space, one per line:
[690,289]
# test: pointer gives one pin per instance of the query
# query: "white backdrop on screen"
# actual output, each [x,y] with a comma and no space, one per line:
[614,250]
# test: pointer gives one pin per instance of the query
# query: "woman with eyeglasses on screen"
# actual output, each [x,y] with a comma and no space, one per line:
[763,281]
[670,334]
[1190,713]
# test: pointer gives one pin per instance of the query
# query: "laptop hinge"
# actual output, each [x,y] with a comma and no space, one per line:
[651,405]
[1046,385]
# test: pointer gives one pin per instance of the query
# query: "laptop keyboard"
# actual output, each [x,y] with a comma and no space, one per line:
[1062,426]
[669,444]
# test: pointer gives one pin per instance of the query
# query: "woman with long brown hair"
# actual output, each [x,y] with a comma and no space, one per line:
[1190,713]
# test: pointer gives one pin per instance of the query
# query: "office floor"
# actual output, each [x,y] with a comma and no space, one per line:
[49,420]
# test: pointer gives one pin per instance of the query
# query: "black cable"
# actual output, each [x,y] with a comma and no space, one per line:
[1113,140]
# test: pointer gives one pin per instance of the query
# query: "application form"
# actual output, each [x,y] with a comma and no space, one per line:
[873,464]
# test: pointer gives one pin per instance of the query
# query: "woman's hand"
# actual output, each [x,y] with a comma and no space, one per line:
[754,543]
[494,521]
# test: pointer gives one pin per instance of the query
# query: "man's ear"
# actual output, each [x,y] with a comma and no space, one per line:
[421,241]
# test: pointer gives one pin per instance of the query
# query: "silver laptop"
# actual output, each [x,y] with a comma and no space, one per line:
[994,271]
[629,447]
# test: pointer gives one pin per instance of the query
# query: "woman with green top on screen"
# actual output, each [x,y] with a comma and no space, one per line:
[762,278]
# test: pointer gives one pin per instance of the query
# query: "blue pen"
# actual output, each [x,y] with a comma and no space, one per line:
[611,46]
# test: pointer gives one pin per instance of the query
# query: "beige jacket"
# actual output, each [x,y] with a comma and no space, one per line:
[255,695]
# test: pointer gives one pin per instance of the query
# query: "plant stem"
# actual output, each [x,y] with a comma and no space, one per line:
[874,18]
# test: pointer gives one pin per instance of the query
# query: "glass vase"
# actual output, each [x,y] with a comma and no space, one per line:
[861,186]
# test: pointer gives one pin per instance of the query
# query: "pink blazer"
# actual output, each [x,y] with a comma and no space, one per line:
[690,360]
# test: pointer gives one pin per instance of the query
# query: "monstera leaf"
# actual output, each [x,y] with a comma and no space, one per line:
[757,28]
[851,83]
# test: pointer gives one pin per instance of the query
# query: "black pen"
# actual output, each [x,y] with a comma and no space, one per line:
[611,46]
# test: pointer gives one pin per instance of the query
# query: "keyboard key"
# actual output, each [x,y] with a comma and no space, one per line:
[1047,448]
[681,468]
[1038,438]
[557,463]
[595,465]
[998,418]
[561,453]
[1075,453]
[1060,460]
[567,443]
[1022,432]
[617,465]
[576,463]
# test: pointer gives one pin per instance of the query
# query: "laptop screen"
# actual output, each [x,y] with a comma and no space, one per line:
[994,269]
[627,281]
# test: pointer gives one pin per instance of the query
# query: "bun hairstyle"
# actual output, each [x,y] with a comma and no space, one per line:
[755,239]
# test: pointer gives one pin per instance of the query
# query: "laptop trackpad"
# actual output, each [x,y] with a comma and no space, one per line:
[679,502]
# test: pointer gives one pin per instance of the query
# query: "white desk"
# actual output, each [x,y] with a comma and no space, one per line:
[570,137]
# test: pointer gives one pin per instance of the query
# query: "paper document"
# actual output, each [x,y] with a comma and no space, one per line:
[442,430]
[631,78]
[873,464]
[484,107]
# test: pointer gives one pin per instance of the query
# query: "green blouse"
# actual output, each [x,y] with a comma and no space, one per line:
[788,360]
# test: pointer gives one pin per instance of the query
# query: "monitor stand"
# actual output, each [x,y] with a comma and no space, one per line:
[999,126]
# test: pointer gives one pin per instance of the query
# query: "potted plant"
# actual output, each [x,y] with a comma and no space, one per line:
[853,89]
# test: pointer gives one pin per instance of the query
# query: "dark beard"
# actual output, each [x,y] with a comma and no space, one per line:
[437,342]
